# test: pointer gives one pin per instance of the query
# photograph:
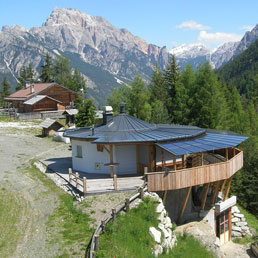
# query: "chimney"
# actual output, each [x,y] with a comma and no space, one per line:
[122,107]
[32,90]
[107,114]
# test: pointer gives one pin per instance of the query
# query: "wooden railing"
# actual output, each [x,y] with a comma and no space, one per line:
[172,180]
[111,216]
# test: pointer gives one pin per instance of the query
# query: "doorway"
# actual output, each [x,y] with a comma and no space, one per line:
[223,226]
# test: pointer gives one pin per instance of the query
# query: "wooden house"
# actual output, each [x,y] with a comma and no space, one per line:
[39,97]
[50,127]
[192,168]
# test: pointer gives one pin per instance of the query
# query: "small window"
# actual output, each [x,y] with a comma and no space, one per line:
[79,151]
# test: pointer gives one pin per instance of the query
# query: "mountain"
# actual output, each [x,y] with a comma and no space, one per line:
[106,55]
[242,71]
[197,53]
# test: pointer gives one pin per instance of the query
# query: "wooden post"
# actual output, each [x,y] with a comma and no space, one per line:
[174,162]
[234,152]
[183,161]
[103,226]
[223,185]
[84,185]
[152,163]
[141,192]
[228,188]
[226,154]
[145,174]
[205,195]
[184,204]
[70,175]
[165,196]
[215,191]
[113,214]
[77,179]
[202,162]
[162,158]
[127,204]
[111,160]
[96,242]
[115,181]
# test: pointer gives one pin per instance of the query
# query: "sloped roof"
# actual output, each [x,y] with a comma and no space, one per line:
[48,122]
[71,112]
[124,128]
[38,98]
[23,94]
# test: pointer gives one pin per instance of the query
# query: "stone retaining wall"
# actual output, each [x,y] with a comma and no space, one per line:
[239,225]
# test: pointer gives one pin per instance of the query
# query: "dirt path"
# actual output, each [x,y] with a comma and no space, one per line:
[231,249]
[16,151]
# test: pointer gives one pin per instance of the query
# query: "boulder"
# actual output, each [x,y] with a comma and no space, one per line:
[161,226]
[235,209]
[239,215]
[166,233]
[241,224]
[236,234]
[243,219]
[160,208]
[235,228]
[158,249]
[235,220]
[155,234]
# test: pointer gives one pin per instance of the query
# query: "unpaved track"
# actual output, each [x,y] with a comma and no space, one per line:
[15,152]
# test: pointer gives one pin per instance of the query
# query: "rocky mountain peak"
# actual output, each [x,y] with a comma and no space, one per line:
[69,16]
[14,28]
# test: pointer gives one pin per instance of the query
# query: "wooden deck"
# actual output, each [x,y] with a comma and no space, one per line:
[172,180]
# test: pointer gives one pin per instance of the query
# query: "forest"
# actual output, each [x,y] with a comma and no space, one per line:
[202,99]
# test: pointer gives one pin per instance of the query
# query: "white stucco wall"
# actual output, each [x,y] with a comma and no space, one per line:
[124,155]
[90,156]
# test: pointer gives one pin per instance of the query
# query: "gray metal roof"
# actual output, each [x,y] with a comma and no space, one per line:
[48,122]
[71,112]
[207,142]
[37,98]
[127,129]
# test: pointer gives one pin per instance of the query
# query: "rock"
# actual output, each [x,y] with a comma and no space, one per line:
[160,208]
[236,234]
[243,219]
[168,225]
[238,215]
[161,217]
[235,228]
[217,243]
[155,234]
[235,220]
[155,196]
[167,220]
[158,249]
[161,226]
[245,228]
[165,233]
[235,209]
[241,224]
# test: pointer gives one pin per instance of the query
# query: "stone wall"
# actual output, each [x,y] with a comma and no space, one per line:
[164,237]
[239,224]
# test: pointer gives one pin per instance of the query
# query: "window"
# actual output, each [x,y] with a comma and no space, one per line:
[79,151]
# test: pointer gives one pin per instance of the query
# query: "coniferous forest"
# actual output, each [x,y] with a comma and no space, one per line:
[202,99]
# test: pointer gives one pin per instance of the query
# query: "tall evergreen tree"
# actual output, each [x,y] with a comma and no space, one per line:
[62,71]
[86,115]
[46,73]
[27,75]
[6,88]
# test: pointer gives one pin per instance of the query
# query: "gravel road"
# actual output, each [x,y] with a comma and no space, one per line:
[17,147]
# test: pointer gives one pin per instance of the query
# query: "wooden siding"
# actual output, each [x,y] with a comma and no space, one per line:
[172,180]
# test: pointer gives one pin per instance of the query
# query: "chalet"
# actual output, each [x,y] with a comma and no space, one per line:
[39,97]
[192,168]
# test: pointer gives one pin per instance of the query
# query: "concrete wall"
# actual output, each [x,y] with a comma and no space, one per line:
[174,203]
[124,155]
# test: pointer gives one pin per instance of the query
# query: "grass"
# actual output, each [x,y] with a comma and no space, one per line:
[252,222]
[128,236]
[187,246]
[7,119]
[68,226]
[11,229]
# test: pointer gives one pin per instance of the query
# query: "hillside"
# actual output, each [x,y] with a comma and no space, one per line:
[242,71]
[107,56]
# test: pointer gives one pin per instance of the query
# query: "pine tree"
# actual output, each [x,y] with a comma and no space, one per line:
[6,88]
[86,115]
[159,113]
[46,73]
[27,75]
[62,71]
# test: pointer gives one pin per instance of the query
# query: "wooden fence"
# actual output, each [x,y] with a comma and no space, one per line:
[111,216]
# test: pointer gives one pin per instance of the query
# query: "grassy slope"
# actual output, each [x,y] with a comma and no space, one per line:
[129,237]
[68,226]
[12,208]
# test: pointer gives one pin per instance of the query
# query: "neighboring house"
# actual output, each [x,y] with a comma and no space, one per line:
[188,164]
[70,116]
[50,127]
[39,97]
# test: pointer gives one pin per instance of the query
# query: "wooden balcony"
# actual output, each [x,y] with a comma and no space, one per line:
[182,178]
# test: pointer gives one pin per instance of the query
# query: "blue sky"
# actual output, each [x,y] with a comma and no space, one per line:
[163,22]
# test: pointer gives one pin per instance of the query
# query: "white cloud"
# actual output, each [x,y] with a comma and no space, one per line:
[218,37]
[246,27]
[192,25]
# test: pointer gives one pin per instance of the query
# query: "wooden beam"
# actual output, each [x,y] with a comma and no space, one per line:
[226,154]
[183,161]
[162,158]
[174,162]
[202,163]
[205,195]
[165,196]
[111,160]
[223,185]
[152,163]
[234,152]
[184,204]
[228,188]
[215,192]
[106,149]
